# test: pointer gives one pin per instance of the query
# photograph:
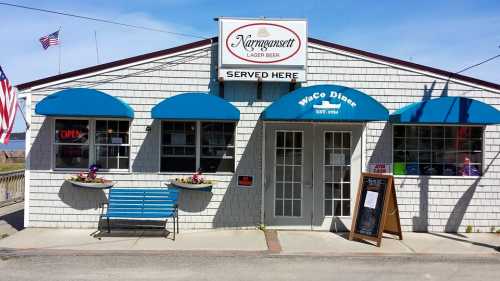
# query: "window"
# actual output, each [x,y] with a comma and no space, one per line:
[71,144]
[79,143]
[191,146]
[217,147]
[112,144]
[178,147]
[438,150]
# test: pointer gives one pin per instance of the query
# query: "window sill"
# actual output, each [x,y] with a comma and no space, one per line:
[191,173]
[70,171]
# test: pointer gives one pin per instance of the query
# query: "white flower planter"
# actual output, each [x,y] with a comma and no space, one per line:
[201,187]
[93,185]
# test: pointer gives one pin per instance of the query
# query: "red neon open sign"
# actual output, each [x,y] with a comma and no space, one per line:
[69,134]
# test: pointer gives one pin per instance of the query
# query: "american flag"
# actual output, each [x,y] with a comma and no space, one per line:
[8,107]
[49,40]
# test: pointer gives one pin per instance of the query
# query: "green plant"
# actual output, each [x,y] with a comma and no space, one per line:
[261,226]
[4,235]
[498,231]
[468,229]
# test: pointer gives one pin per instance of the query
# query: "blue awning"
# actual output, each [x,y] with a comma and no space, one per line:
[195,106]
[82,102]
[326,103]
[447,110]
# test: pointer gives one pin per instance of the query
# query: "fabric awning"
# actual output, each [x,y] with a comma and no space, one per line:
[326,103]
[447,110]
[82,102]
[195,106]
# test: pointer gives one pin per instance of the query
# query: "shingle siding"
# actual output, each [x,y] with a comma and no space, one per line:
[434,204]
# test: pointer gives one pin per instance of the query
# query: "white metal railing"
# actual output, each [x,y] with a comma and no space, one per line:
[11,186]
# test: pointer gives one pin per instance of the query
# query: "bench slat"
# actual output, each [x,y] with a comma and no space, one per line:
[142,197]
[141,194]
[138,205]
[139,215]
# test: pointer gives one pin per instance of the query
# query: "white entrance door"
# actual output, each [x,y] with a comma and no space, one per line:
[288,189]
[311,175]
[336,174]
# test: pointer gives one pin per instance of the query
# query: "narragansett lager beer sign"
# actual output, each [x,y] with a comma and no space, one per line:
[260,49]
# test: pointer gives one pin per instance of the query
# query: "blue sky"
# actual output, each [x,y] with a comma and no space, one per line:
[444,34]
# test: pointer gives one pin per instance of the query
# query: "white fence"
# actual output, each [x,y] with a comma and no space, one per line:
[11,187]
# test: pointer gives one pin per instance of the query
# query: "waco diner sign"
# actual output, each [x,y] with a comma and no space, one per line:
[260,49]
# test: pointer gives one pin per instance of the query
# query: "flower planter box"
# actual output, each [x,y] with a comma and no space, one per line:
[199,187]
[93,185]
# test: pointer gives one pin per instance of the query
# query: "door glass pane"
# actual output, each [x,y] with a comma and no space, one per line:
[337,208]
[336,172]
[328,207]
[278,207]
[288,208]
[296,208]
[288,174]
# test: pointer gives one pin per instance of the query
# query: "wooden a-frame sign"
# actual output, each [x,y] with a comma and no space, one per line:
[376,210]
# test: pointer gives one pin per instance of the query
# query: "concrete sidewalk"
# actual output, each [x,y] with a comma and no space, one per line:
[38,240]
[140,240]
[327,243]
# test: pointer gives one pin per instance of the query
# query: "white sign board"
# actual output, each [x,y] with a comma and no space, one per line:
[260,49]
[371,199]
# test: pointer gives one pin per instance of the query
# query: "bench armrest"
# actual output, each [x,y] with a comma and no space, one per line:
[102,206]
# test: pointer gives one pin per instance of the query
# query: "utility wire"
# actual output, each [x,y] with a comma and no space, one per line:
[103,20]
[194,56]
[478,64]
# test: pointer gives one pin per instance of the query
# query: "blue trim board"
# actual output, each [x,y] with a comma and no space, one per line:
[447,110]
[326,103]
[82,102]
[195,106]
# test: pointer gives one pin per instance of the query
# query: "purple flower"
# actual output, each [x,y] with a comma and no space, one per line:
[93,169]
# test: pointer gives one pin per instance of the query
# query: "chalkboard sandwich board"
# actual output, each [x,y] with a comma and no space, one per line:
[376,210]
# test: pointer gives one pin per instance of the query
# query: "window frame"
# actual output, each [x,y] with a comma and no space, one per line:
[129,145]
[198,145]
[483,127]
[161,145]
[53,143]
[92,145]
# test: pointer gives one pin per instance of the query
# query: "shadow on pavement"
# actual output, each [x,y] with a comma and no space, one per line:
[15,219]
[467,241]
[134,228]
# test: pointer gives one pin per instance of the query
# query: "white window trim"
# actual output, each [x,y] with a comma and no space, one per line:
[197,147]
[439,176]
[91,144]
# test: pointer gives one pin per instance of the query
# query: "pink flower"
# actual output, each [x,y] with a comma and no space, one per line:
[197,178]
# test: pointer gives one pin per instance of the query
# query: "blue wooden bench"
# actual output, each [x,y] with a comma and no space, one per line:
[157,204]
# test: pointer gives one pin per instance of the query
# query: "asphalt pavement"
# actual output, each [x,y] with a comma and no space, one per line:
[247,267]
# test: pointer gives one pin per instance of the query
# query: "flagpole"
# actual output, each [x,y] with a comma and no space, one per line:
[59,38]
[24,117]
